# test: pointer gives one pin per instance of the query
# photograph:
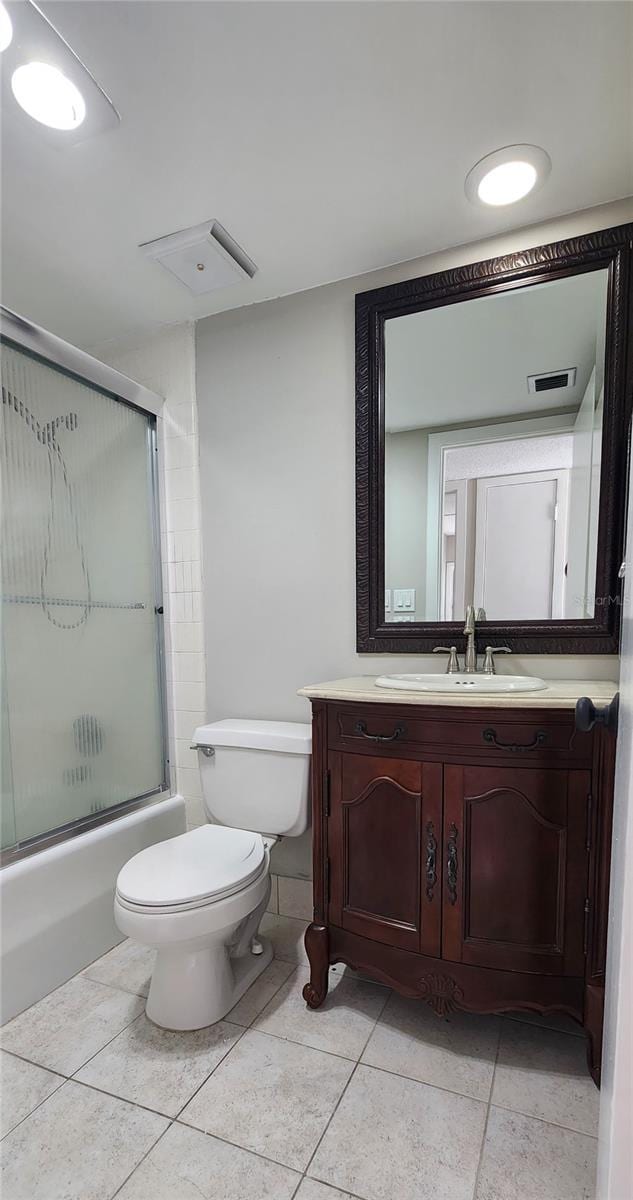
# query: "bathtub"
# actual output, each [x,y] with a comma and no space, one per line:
[57,906]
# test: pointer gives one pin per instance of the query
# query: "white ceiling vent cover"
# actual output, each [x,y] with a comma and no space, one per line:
[550,381]
[204,257]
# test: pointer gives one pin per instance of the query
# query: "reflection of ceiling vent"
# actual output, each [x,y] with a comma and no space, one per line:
[551,380]
[204,257]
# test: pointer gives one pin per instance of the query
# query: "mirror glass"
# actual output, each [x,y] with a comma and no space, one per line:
[493,431]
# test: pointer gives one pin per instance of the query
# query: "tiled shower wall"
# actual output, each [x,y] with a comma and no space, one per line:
[166,364]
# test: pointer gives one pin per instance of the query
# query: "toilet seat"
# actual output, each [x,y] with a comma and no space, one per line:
[192,870]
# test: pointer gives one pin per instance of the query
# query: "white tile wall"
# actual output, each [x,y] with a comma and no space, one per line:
[166,363]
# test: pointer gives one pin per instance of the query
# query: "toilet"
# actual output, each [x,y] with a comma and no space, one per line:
[198,898]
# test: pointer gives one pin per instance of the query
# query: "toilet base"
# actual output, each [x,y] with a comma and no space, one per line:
[195,987]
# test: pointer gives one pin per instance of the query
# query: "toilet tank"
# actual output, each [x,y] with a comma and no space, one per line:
[256,774]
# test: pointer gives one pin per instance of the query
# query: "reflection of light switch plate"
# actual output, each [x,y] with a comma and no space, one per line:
[404,600]
[387,599]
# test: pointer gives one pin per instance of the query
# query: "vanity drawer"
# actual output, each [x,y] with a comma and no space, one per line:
[499,734]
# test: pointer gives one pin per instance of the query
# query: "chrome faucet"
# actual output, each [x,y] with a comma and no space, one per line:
[470,660]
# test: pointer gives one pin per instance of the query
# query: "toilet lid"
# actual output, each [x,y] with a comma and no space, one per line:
[202,865]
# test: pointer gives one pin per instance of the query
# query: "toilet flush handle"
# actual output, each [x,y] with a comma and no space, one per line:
[208,751]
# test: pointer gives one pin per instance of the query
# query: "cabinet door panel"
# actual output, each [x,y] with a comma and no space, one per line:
[517,840]
[384,835]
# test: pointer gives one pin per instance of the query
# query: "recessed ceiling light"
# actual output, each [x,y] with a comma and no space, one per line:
[507,175]
[48,96]
[6,28]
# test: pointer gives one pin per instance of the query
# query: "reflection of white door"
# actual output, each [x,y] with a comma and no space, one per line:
[520,545]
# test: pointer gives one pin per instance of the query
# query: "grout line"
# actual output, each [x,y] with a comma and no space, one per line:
[142,1160]
[61,1083]
[212,1072]
[388,993]
[521,1020]
[93,1087]
[544,1121]
[488,1107]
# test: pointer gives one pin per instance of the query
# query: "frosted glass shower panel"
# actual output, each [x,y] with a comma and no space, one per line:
[82,717]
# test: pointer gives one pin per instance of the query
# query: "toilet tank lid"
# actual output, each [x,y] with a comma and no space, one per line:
[286,737]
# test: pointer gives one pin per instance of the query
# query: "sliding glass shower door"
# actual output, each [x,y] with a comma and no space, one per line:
[82,712]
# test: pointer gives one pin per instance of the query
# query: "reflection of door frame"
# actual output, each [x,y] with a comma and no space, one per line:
[464,549]
[559,552]
[449,439]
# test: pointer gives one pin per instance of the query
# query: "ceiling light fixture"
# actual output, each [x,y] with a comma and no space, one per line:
[48,96]
[62,101]
[6,28]
[507,175]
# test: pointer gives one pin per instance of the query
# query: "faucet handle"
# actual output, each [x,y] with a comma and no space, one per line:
[489,661]
[453,661]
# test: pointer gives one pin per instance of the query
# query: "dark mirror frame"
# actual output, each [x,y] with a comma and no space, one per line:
[608,248]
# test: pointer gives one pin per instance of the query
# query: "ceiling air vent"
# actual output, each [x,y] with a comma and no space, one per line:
[204,257]
[551,380]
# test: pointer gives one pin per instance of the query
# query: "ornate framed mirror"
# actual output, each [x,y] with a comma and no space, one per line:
[492,430]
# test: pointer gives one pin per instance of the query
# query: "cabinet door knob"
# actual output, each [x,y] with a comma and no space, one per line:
[587,715]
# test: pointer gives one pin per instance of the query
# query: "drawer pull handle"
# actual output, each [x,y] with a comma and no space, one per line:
[451,864]
[431,860]
[361,728]
[539,739]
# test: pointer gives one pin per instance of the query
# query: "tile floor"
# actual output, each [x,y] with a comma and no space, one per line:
[372,1097]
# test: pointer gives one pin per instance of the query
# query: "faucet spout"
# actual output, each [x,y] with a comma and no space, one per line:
[470,661]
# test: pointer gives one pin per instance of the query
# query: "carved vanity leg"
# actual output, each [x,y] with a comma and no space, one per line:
[316,941]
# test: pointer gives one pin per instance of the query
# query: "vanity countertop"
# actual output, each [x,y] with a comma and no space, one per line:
[559,693]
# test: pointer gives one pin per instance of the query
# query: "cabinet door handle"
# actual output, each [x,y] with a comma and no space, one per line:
[361,728]
[431,860]
[539,739]
[451,864]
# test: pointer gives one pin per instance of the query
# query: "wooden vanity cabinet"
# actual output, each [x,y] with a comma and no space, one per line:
[461,856]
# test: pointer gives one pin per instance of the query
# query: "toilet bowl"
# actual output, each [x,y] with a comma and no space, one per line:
[198,899]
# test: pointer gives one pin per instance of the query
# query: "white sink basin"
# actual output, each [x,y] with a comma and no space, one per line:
[459,682]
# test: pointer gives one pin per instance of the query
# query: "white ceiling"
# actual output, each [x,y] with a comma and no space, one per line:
[471,361]
[328,138]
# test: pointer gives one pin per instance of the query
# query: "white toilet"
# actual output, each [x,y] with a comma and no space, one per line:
[199,898]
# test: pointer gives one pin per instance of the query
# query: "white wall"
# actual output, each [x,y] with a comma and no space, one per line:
[275,389]
[615,1150]
[166,363]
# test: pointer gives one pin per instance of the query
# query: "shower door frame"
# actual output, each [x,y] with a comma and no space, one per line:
[23,335]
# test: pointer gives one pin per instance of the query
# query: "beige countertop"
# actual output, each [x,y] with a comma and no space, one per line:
[559,693]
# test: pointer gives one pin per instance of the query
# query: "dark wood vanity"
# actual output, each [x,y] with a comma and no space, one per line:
[461,854]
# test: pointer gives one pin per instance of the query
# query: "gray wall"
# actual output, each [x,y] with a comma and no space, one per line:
[275,389]
[406,481]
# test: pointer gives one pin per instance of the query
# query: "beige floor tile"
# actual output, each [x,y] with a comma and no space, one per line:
[342,1024]
[260,992]
[286,935]
[544,1074]
[271,1096]
[295,898]
[393,1137]
[457,1053]
[187,1165]
[558,1021]
[129,966]
[78,1145]
[526,1159]
[66,1028]
[22,1088]
[312,1190]
[158,1068]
